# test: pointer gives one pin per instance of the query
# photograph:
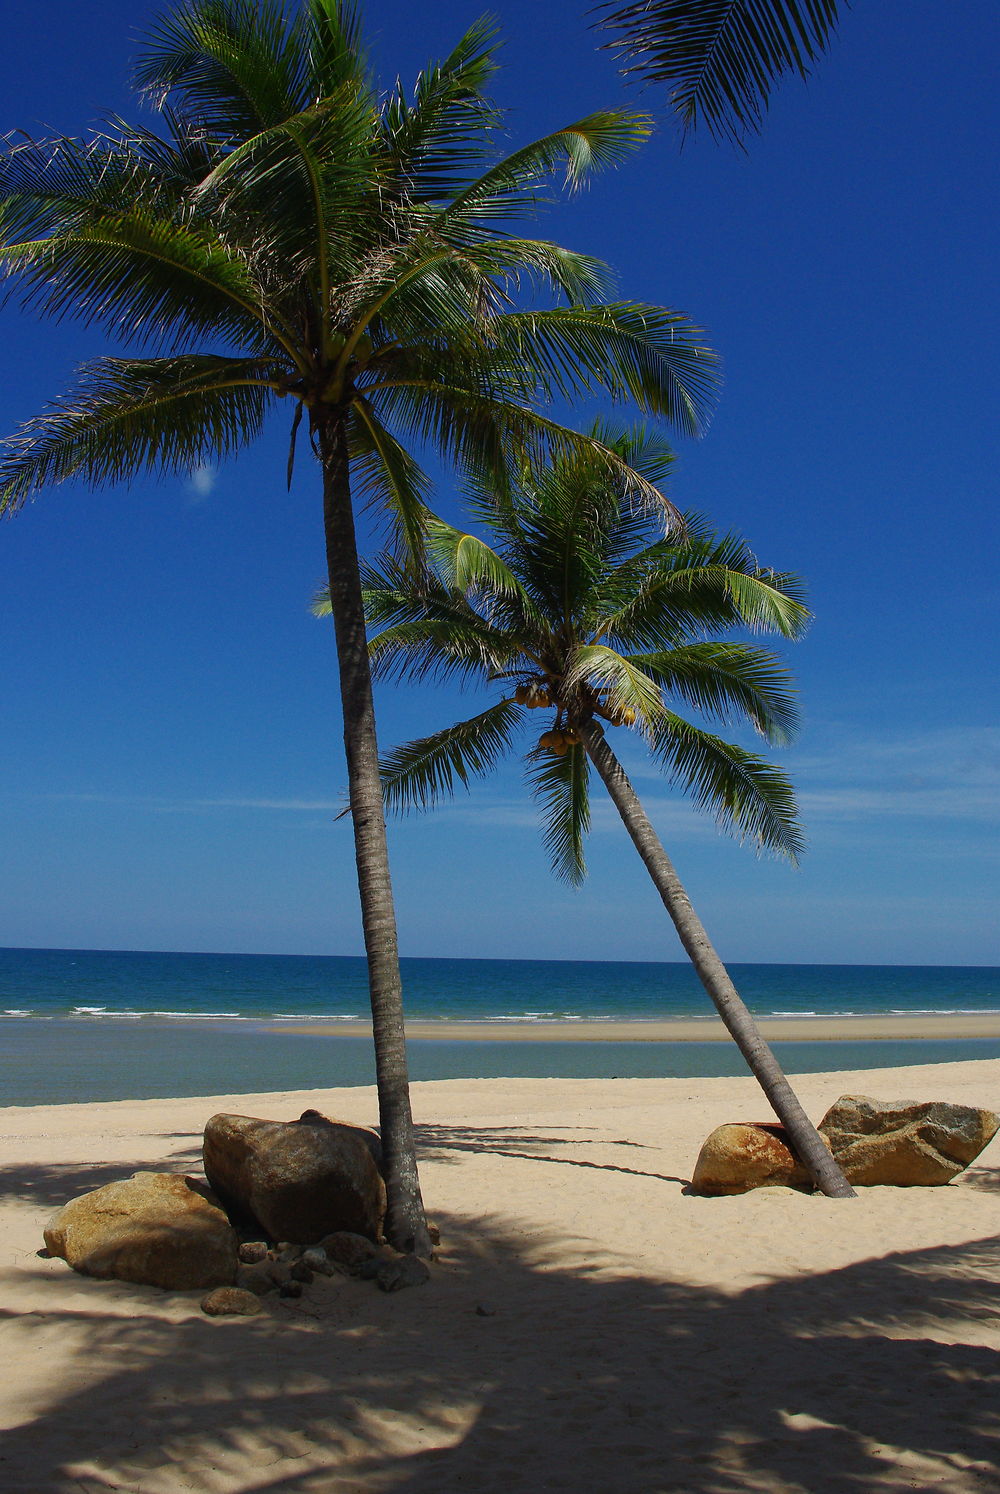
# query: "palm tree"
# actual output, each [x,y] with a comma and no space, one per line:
[719,58]
[578,609]
[291,234]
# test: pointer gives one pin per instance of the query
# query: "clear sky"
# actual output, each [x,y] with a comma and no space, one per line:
[171,737]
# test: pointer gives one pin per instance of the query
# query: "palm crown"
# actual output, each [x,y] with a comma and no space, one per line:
[579,609]
[353,252]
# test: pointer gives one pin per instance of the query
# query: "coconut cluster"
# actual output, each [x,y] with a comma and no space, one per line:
[537,694]
[559,740]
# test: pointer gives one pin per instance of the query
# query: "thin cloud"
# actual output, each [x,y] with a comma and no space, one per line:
[201,481]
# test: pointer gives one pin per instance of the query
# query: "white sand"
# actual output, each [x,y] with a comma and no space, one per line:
[637,1340]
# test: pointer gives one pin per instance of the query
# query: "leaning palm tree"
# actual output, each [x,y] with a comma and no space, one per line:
[292,235]
[578,610]
[719,58]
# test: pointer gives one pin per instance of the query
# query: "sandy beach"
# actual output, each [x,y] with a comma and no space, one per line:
[589,1326]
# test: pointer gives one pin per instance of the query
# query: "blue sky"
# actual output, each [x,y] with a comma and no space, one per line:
[172,751]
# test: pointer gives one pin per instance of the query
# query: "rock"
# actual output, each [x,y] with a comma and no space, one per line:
[252,1251]
[255,1279]
[300,1180]
[301,1272]
[739,1157]
[404,1271]
[315,1259]
[290,1289]
[905,1143]
[157,1229]
[347,1250]
[230,1302]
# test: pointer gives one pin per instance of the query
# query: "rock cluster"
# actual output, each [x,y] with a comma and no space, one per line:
[156,1229]
[288,1268]
[314,1185]
[899,1143]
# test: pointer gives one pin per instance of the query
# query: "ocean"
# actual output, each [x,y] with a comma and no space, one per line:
[105,1025]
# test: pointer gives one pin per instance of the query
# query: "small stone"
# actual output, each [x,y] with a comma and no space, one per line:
[347,1250]
[287,1252]
[255,1279]
[406,1271]
[317,1261]
[252,1251]
[301,1272]
[278,1272]
[230,1302]
[484,1311]
[434,1233]
[290,1289]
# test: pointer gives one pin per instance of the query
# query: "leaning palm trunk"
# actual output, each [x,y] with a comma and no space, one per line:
[713,975]
[406,1226]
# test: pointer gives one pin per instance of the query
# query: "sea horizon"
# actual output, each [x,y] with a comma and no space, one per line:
[98,1025]
[177,985]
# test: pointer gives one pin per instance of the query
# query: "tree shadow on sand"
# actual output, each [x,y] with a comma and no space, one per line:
[509,1372]
[446,1143]
[53,1184]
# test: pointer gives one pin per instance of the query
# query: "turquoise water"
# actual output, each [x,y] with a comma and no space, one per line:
[94,1025]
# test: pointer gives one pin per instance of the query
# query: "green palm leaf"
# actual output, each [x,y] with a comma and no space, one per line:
[719,58]
[420,774]
[560,787]
[748,795]
[729,681]
[131,415]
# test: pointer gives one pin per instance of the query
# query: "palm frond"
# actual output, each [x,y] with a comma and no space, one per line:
[561,788]
[729,681]
[143,277]
[239,66]
[510,188]
[467,564]
[625,686]
[421,773]
[439,138]
[384,474]
[748,796]
[131,415]
[719,58]
[647,355]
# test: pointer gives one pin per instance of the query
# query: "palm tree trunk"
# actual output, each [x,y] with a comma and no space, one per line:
[712,973]
[406,1225]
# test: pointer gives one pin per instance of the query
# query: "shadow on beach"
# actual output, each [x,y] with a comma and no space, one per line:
[510,1372]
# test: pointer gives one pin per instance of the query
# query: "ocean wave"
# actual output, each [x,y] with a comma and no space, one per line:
[317,1017]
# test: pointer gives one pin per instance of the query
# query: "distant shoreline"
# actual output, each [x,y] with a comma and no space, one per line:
[894,1028]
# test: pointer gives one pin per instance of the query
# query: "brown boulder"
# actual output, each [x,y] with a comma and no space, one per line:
[157,1229]
[299,1180]
[739,1157]
[905,1143]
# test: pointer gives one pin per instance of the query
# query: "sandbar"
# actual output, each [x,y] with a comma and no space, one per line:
[895,1028]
